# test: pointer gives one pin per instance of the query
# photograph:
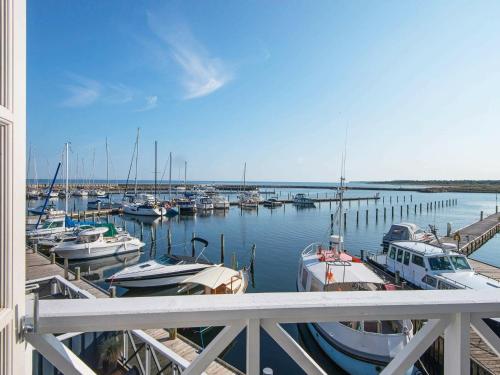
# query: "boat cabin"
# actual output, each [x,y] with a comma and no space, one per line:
[405,232]
[427,266]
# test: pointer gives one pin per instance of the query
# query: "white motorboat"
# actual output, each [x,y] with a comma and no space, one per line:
[33,194]
[50,194]
[98,242]
[49,227]
[359,347]
[272,203]
[144,209]
[405,232]
[80,193]
[97,193]
[429,266]
[204,203]
[220,202]
[168,270]
[301,200]
[186,205]
[216,280]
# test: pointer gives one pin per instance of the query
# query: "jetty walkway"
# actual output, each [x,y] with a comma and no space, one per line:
[39,266]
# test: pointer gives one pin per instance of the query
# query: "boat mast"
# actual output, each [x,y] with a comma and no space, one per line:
[156,168]
[185,174]
[170,177]
[107,165]
[66,195]
[244,177]
[28,169]
[136,160]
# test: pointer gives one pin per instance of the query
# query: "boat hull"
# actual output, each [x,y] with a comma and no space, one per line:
[353,366]
[92,252]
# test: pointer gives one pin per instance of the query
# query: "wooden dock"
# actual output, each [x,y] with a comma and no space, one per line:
[38,266]
[485,269]
[473,236]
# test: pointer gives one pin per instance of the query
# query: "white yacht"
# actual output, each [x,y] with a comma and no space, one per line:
[144,209]
[186,205]
[405,232]
[359,347]
[300,199]
[49,227]
[98,242]
[220,202]
[429,266]
[168,270]
[33,194]
[204,202]
[50,194]
[97,193]
[80,193]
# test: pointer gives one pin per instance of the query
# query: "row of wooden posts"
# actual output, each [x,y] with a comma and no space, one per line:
[429,207]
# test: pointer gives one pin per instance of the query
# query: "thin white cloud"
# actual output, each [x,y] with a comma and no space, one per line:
[81,92]
[151,103]
[118,94]
[202,74]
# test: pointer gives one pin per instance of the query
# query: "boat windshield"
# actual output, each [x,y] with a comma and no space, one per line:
[460,263]
[166,260]
[440,264]
[52,224]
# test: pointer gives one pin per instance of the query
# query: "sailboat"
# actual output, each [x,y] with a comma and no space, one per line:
[248,199]
[147,208]
[32,193]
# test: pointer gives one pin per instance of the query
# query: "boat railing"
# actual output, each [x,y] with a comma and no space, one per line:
[311,249]
[448,313]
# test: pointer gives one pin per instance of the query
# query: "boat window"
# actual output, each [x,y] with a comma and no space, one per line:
[443,285]
[418,260]
[304,278]
[407,258]
[400,255]
[440,264]
[429,280]
[166,260]
[392,253]
[460,263]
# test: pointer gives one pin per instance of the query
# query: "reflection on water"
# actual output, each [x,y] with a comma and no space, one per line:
[280,235]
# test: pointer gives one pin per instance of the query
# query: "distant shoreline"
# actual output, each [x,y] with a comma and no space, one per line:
[455,186]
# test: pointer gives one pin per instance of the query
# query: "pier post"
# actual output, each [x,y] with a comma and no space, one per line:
[385,213]
[93,216]
[376,214]
[222,248]
[52,258]
[448,230]
[169,241]
[77,273]
[420,207]
[78,215]
[415,210]
[390,199]
[407,209]
[66,265]
[345,219]
[383,200]
[392,212]
[366,216]
[411,197]
[112,291]
[401,211]
[482,215]
[142,230]
[193,249]
[35,248]
[331,224]
[397,198]
[362,252]
[404,198]
[357,217]
[496,209]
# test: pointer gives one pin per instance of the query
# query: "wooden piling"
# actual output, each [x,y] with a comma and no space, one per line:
[77,273]
[193,248]
[357,217]
[222,248]
[66,268]
[169,241]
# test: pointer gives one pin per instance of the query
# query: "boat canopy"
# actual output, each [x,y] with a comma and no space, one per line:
[213,277]
[93,231]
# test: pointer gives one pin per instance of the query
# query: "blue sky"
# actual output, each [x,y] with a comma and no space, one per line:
[272,83]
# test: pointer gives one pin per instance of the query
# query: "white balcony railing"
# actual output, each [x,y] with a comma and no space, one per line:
[449,313]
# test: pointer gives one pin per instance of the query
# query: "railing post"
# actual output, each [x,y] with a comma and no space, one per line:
[125,346]
[253,347]
[457,345]
[147,360]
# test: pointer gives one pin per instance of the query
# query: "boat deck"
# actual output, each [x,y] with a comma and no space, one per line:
[38,266]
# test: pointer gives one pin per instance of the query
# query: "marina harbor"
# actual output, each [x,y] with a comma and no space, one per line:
[249,188]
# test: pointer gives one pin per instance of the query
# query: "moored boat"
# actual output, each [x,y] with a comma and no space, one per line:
[300,199]
[272,203]
[204,202]
[98,242]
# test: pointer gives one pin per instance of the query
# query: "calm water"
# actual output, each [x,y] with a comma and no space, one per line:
[280,235]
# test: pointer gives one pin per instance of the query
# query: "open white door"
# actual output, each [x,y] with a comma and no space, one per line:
[12,182]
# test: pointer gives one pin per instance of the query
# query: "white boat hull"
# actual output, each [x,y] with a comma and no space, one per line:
[140,211]
[90,250]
